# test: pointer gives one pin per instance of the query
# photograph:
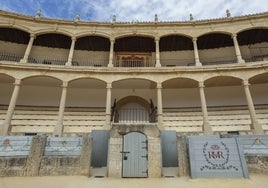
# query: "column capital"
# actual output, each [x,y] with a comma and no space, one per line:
[201,84]
[245,83]
[73,38]
[234,35]
[32,35]
[156,38]
[112,40]
[194,39]
[17,82]
[159,86]
[109,86]
[64,84]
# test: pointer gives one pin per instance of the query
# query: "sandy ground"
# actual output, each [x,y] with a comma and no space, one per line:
[255,181]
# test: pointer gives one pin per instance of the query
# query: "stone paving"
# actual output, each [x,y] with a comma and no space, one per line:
[256,181]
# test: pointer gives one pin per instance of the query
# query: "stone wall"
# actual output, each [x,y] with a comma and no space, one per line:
[257,164]
[41,161]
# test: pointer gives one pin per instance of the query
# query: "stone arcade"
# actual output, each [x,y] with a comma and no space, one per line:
[120,99]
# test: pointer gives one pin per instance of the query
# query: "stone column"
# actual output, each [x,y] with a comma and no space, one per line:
[71,53]
[35,155]
[154,157]
[255,126]
[157,53]
[111,55]
[59,127]
[108,105]
[28,49]
[206,126]
[6,128]
[237,50]
[196,54]
[183,158]
[85,157]
[159,106]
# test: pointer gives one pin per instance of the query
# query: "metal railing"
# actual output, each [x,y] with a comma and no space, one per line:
[133,63]
[10,57]
[50,61]
[128,63]
[133,115]
[257,58]
[88,62]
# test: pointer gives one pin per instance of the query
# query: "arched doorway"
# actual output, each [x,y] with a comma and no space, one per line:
[134,109]
[135,155]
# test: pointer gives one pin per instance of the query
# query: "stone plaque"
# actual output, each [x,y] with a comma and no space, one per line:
[216,157]
[63,146]
[15,145]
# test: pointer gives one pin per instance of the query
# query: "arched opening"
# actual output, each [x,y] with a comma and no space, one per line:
[50,49]
[134,51]
[176,50]
[254,44]
[216,48]
[13,43]
[133,109]
[91,51]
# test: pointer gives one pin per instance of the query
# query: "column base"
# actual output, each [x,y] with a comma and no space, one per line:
[23,61]
[241,61]
[157,65]
[68,64]
[198,64]
[110,65]
[4,129]
[257,129]
[207,128]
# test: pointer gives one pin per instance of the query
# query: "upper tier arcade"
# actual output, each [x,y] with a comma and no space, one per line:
[39,40]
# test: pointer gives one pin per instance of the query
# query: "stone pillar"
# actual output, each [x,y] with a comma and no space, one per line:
[196,54]
[71,53]
[255,126]
[206,126]
[28,49]
[154,157]
[59,127]
[159,106]
[85,157]
[6,128]
[111,54]
[108,105]
[183,159]
[35,155]
[115,157]
[237,50]
[157,53]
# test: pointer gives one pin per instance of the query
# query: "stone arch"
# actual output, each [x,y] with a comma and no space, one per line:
[222,81]
[85,34]
[146,115]
[259,78]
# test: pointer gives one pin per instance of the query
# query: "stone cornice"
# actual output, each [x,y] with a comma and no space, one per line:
[137,23]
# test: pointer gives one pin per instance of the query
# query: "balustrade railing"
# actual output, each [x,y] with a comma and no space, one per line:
[131,115]
[128,63]
[90,62]
[257,58]
[10,57]
[134,63]
[47,61]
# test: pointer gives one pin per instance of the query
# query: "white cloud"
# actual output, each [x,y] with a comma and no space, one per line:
[141,10]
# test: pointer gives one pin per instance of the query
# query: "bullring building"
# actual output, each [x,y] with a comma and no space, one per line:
[129,86]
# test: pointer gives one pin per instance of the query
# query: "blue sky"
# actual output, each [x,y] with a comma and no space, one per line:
[135,10]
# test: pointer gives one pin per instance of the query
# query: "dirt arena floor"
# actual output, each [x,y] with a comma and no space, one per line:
[255,181]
